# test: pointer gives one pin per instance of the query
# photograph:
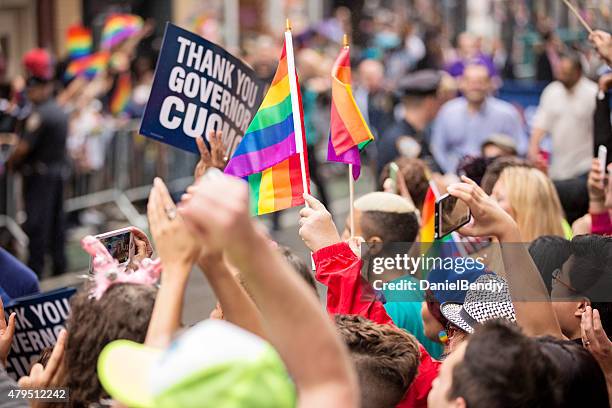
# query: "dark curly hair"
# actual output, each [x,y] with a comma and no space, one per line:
[123,312]
[415,172]
[386,359]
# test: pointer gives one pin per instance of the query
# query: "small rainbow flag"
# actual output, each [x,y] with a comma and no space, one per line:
[121,94]
[271,155]
[78,41]
[427,216]
[349,132]
[118,28]
[88,66]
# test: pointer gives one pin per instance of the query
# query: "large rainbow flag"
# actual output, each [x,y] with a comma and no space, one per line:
[118,28]
[271,155]
[349,132]
[78,41]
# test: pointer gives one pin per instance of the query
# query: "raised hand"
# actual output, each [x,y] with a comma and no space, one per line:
[217,211]
[317,228]
[603,43]
[213,158]
[488,218]
[595,339]
[49,375]
[6,334]
[174,242]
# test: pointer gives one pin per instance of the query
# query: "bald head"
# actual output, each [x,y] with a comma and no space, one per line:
[384,217]
[371,74]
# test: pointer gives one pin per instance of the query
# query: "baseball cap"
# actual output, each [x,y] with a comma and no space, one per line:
[38,64]
[214,363]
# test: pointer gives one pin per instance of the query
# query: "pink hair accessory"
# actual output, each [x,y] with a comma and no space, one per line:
[107,271]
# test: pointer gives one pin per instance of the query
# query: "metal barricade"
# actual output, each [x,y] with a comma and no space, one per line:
[130,164]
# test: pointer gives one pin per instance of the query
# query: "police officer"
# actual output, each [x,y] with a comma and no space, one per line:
[40,156]
[409,137]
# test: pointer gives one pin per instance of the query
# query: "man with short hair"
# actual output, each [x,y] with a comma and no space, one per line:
[566,113]
[465,123]
[497,363]
[385,358]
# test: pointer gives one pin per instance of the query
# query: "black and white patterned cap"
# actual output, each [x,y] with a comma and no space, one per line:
[490,300]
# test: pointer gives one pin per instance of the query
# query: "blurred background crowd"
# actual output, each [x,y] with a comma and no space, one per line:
[419,66]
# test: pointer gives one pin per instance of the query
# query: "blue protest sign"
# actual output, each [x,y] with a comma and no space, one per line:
[39,319]
[198,87]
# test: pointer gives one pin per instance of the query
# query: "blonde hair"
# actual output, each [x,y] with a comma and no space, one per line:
[534,200]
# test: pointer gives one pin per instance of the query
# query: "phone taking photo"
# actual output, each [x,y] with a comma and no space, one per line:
[450,215]
[602,156]
[393,170]
[119,244]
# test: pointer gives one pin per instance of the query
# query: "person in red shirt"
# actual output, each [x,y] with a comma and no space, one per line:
[338,268]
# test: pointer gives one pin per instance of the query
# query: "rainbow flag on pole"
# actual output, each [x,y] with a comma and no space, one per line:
[271,155]
[349,132]
[78,41]
[88,66]
[118,28]
[427,215]
[121,94]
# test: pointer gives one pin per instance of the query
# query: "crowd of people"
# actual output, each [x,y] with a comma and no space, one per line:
[541,219]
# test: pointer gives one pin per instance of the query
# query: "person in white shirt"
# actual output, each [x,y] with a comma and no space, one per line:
[566,113]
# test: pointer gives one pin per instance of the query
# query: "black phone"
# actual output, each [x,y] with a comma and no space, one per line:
[450,215]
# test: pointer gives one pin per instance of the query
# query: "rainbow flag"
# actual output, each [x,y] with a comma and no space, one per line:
[88,66]
[271,155]
[118,28]
[427,216]
[270,137]
[122,93]
[78,41]
[277,187]
[349,132]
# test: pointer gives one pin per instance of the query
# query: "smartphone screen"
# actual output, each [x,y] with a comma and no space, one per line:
[451,214]
[118,246]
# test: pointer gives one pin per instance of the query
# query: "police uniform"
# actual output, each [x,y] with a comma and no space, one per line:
[44,171]
[402,139]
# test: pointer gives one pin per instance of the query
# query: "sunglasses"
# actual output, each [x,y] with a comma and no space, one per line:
[556,276]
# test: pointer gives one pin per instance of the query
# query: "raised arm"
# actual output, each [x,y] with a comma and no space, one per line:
[534,312]
[218,212]
[177,249]
[238,307]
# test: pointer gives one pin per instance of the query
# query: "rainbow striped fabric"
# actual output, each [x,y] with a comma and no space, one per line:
[118,28]
[278,187]
[427,216]
[78,41]
[270,138]
[122,93]
[88,66]
[268,156]
[349,132]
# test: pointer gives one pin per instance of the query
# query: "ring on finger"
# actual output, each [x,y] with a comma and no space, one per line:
[170,212]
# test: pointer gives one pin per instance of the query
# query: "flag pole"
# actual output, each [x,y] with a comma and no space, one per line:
[578,16]
[295,103]
[345,43]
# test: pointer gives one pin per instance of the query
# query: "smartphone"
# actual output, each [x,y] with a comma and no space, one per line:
[119,244]
[393,169]
[450,215]
[602,156]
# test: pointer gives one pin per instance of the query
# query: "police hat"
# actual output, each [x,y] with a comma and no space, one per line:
[419,83]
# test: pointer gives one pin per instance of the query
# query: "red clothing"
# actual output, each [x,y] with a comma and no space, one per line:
[338,268]
[601,224]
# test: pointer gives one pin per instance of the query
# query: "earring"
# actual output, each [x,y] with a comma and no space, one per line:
[443,336]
